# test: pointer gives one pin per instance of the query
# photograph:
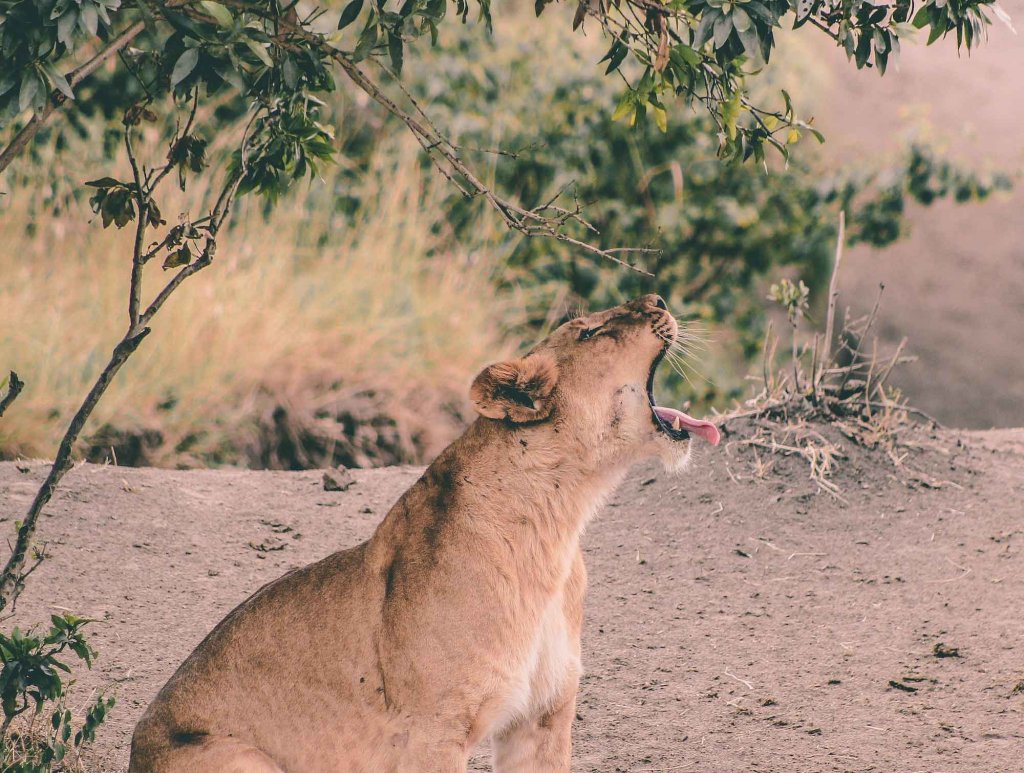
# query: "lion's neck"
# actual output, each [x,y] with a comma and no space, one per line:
[489,503]
[527,487]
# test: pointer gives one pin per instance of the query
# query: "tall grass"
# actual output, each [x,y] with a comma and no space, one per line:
[304,308]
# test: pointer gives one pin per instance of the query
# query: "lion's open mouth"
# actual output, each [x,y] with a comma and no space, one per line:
[676,424]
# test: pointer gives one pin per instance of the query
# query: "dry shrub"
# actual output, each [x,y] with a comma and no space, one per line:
[810,403]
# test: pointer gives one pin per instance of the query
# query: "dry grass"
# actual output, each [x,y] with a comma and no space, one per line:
[21,745]
[299,311]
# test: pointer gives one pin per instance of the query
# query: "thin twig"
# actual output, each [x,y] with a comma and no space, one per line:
[142,206]
[833,292]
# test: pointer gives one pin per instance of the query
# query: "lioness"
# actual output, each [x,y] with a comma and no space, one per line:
[459,620]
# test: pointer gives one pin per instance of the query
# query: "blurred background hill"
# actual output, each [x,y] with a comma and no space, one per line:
[347,328]
[955,285]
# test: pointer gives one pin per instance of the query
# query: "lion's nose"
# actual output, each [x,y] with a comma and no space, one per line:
[653,300]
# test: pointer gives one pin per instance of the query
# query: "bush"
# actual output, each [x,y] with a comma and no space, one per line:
[33,685]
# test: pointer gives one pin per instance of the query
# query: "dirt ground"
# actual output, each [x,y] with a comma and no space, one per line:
[733,624]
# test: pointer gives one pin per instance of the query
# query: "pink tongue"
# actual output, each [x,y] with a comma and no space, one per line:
[704,429]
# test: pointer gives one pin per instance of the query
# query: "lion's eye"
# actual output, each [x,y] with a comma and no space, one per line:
[588,333]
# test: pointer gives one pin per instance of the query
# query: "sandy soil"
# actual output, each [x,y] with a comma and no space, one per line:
[732,624]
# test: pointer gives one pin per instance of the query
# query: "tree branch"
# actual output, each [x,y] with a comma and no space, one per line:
[14,387]
[142,207]
[530,222]
[833,292]
[12,578]
[57,98]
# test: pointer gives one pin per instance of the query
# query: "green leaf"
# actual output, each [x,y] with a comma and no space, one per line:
[58,80]
[660,118]
[89,19]
[261,52]
[395,52]
[220,14]
[350,13]
[751,44]
[184,66]
[103,182]
[740,20]
[66,26]
[730,112]
[687,54]
[290,73]
[616,54]
[366,43]
[180,257]
[723,29]
[29,89]
[626,106]
[581,14]
[706,27]
[938,30]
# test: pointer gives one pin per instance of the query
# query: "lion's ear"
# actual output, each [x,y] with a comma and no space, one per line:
[517,390]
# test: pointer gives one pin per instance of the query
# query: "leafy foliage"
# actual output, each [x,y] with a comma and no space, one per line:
[35,678]
[701,51]
[722,228]
[704,51]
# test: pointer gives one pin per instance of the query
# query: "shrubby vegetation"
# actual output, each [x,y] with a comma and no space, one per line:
[39,731]
[721,228]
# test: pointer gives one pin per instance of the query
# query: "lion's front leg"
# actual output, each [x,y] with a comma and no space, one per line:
[540,744]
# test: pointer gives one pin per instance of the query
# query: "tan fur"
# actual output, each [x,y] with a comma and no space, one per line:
[460,619]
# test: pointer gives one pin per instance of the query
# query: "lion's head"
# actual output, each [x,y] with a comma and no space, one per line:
[591,382]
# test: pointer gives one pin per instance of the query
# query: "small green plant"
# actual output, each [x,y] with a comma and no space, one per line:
[34,683]
[793,297]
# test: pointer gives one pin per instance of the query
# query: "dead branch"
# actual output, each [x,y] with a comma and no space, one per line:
[833,291]
[14,387]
